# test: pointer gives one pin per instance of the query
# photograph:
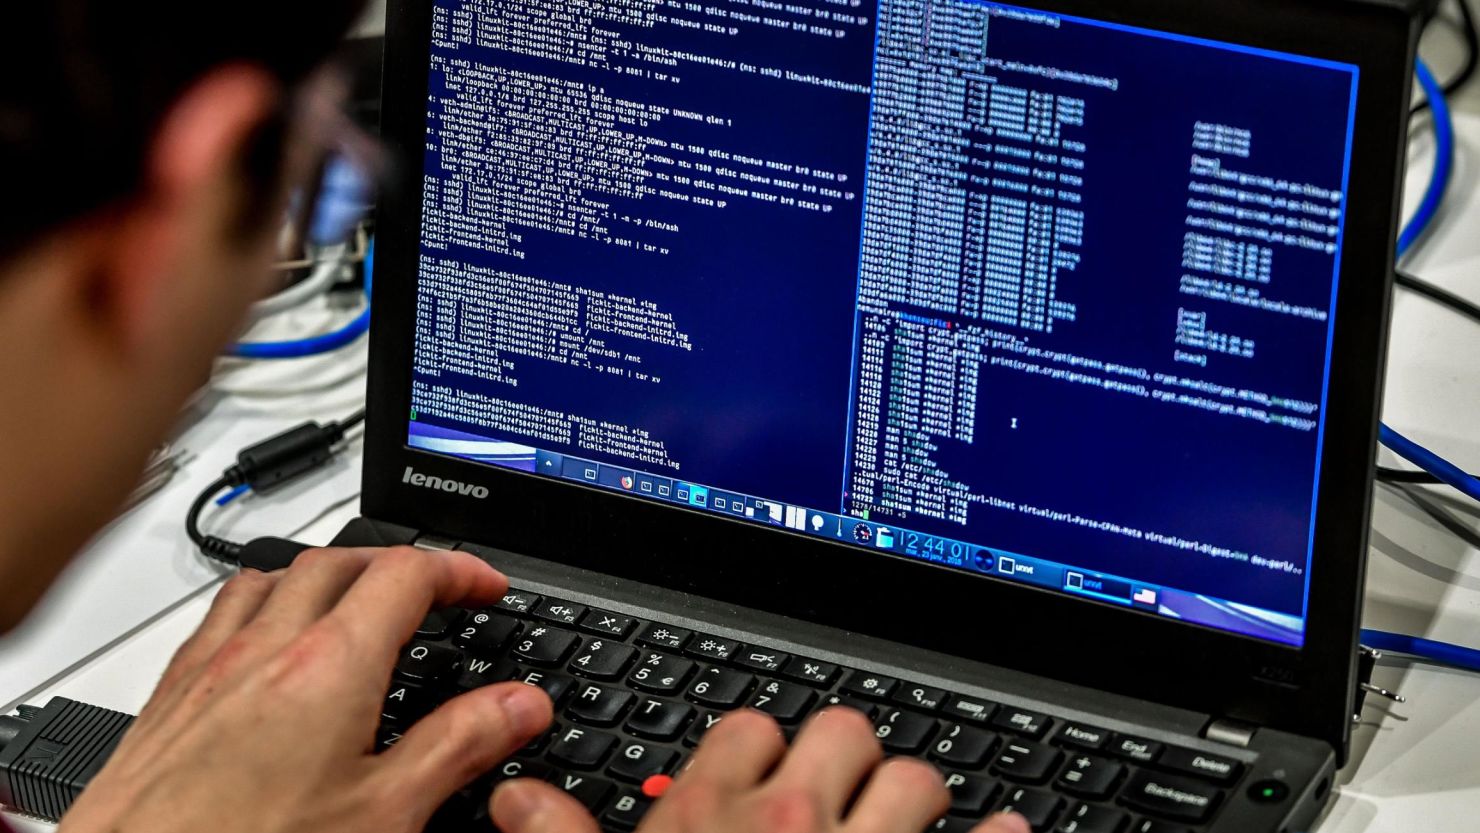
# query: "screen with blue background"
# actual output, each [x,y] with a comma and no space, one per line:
[1017,293]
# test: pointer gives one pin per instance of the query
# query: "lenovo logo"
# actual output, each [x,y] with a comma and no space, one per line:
[451,487]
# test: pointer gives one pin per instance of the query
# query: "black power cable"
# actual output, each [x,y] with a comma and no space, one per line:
[1471,34]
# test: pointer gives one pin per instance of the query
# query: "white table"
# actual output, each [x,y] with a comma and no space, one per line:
[140,590]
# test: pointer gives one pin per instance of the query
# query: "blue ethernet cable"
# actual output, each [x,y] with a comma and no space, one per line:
[316,345]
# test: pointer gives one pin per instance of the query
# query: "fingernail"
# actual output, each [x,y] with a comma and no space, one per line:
[1012,822]
[527,708]
[514,805]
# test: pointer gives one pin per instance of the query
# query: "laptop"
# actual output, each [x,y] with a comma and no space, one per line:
[1007,371]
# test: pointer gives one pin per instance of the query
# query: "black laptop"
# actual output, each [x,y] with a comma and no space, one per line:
[1006,371]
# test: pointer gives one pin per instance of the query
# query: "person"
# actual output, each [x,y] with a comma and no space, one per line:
[147,153]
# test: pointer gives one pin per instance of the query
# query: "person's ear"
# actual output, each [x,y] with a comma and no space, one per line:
[187,201]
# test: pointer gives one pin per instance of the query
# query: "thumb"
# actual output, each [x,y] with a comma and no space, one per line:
[462,740]
[1004,823]
[525,806]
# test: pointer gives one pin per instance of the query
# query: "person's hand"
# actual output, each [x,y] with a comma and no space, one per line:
[743,780]
[266,718]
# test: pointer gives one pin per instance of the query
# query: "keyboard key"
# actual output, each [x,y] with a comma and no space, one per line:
[603,623]
[557,611]
[597,705]
[538,742]
[720,688]
[1170,796]
[664,636]
[481,672]
[428,663]
[518,601]
[873,686]
[386,738]
[787,702]
[970,796]
[436,625]
[713,647]
[1037,806]
[407,703]
[1214,768]
[904,733]
[1154,826]
[762,659]
[1092,818]
[1137,749]
[519,768]
[603,659]
[973,709]
[1022,721]
[952,824]
[555,685]
[812,671]
[627,811]
[636,761]
[660,673]
[659,719]
[1026,761]
[963,746]
[871,710]
[485,634]
[545,646]
[1078,734]
[591,792]
[919,697]
[581,748]
[1090,776]
[703,724]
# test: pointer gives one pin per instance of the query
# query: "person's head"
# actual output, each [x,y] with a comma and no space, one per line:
[146,152]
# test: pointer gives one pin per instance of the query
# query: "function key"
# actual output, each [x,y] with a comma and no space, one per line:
[1137,749]
[875,686]
[904,733]
[712,647]
[436,625]
[557,611]
[1212,767]
[810,671]
[763,659]
[969,708]
[426,662]
[1026,761]
[1022,721]
[1081,735]
[545,646]
[658,673]
[1170,796]
[604,623]
[787,702]
[482,632]
[919,697]
[664,636]
[518,601]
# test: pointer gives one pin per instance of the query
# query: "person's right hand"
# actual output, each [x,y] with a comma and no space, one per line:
[744,780]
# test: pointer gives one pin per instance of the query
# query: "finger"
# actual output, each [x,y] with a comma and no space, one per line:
[236,603]
[312,587]
[1004,823]
[903,795]
[464,739]
[831,757]
[526,806]
[738,752]
[383,607]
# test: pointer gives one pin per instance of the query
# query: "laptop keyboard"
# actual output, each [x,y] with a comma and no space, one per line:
[633,698]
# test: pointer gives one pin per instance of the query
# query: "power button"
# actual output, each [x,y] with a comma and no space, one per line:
[1268,791]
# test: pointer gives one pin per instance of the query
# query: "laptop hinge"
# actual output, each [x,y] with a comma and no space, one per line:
[1232,732]
[432,542]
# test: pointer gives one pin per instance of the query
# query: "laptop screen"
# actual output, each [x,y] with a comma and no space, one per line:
[1024,295]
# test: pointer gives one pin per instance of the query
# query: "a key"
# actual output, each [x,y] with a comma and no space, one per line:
[702,724]
[1214,768]
[1081,735]
[904,733]
[970,795]
[520,768]
[627,810]
[720,688]
[1089,776]
[1154,826]
[1139,750]
[386,738]
[590,791]
[658,673]
[664,636]
[481,672]
[517,601]
[1022,721]
[953,824]
[597,705]
[659,719]
[969,709]
[870,710]
[963,746]
[581,748]
[762,659]
[1025,761]
[712,647]
[1172,797]
[603,659]
[871,686]
[787,702]
[1092,818]
[555,685]
[485,634]
[436,625]
[811,671]
[557,611]
[919,696]
[407,703]
[544,645]
[428,663]
[538,742]
[1037,806]
[635,761]
[603,623]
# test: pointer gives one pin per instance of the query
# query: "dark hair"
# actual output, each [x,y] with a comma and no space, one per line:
[84,85]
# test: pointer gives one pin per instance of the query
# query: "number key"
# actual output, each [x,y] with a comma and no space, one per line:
[787,702]
[603,659]
[904,733]
[545,646]
[963,746]
[660,673]
[720,688]
[483,633]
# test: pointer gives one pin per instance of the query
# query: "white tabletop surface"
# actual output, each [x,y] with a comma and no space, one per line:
[106,633]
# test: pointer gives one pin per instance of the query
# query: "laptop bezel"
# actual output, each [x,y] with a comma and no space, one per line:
[1308,691]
